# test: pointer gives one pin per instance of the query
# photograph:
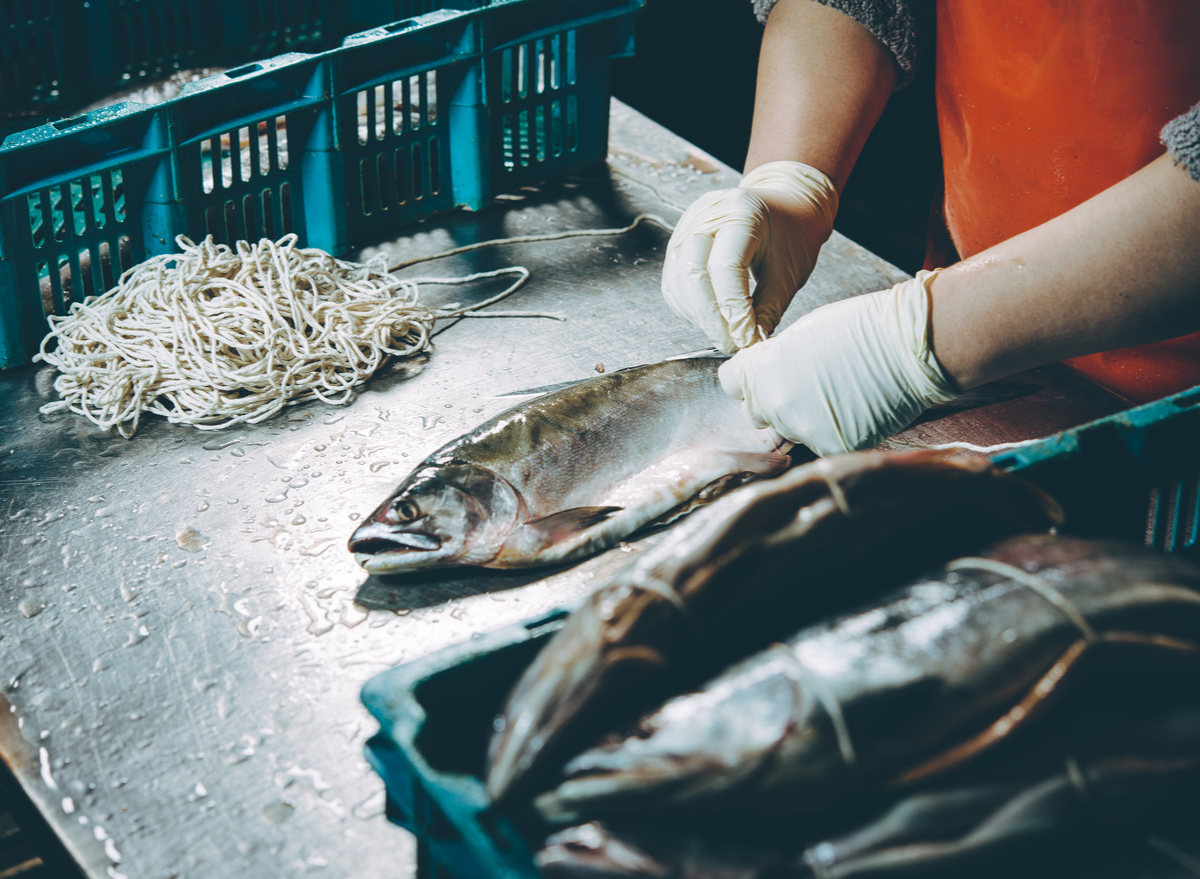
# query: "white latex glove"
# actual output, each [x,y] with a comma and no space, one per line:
[772,226]
[846,375]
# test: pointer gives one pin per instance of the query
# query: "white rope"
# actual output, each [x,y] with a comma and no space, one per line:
[214,337]
[965,446]
[986,450]
[1034,583]
[528,239]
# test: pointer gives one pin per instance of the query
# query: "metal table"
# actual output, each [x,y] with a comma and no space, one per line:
[185,634]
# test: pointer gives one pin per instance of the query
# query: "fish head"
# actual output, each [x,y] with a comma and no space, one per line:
[444,514]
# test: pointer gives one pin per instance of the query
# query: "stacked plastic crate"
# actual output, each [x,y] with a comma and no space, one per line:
[443,108]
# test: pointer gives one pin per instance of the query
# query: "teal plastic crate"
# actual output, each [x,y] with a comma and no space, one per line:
[1131,476]
[548,85]
[63,54]
[39,57]
[343,147]
[435,718]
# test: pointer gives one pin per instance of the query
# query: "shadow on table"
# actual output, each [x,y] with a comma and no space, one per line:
[429,588]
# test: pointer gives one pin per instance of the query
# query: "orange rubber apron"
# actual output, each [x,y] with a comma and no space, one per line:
[1042,105]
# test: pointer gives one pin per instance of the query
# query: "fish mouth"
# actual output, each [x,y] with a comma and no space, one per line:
[379,547]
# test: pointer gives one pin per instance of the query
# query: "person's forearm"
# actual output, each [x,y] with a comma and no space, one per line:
[823,80]
[1121,269]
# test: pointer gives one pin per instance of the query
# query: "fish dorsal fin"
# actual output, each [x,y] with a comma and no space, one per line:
[567,523]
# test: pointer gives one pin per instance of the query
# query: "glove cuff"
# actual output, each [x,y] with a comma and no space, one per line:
[802,181]
[926,378]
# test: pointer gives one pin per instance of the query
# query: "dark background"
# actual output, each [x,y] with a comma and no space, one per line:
[694,73]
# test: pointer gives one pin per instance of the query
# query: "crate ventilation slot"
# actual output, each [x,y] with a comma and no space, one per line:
[535,81]
[1173,517]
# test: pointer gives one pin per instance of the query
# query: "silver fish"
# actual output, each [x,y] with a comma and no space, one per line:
[753,567]
[1117,763]
[557,478]
[903,690]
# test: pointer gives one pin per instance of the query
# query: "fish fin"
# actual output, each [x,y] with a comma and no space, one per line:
[762,463]
[566,523]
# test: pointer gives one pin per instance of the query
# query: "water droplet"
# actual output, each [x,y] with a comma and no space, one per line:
[202,506]
[318,547]
[379,465]
[352,614]
[232,501]
[190,540]
[249,628]
[30,607]
[319,447]
[354,517]
[95,499]
[238,452]
[215,445]
[299,520]
[277,812]
[299,482]
[278,497]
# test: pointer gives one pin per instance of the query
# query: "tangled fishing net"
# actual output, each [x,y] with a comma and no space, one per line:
[215,336]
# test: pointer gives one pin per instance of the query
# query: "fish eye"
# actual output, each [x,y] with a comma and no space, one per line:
[406,511]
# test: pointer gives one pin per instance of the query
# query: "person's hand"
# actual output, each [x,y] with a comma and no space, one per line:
[772,226]
[846,375]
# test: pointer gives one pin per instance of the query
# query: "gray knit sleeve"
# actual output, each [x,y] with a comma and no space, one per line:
[1181,136]
[905,27]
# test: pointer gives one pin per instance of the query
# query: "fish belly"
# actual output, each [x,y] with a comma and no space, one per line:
[656,489]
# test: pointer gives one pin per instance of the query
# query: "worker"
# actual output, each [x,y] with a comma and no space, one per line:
[1070,139]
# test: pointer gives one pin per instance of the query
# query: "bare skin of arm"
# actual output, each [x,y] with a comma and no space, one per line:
[823,80]
[1121,269]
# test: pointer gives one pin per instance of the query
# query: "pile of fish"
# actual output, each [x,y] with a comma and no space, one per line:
[885,663]
[750,569]
[1111,764]
[570,473]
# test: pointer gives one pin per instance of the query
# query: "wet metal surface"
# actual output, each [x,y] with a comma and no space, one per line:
[184,634]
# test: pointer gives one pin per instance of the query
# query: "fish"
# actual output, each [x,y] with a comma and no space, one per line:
[599,850]
[1114,763]
[752,567]
[570,473]
[900,690]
